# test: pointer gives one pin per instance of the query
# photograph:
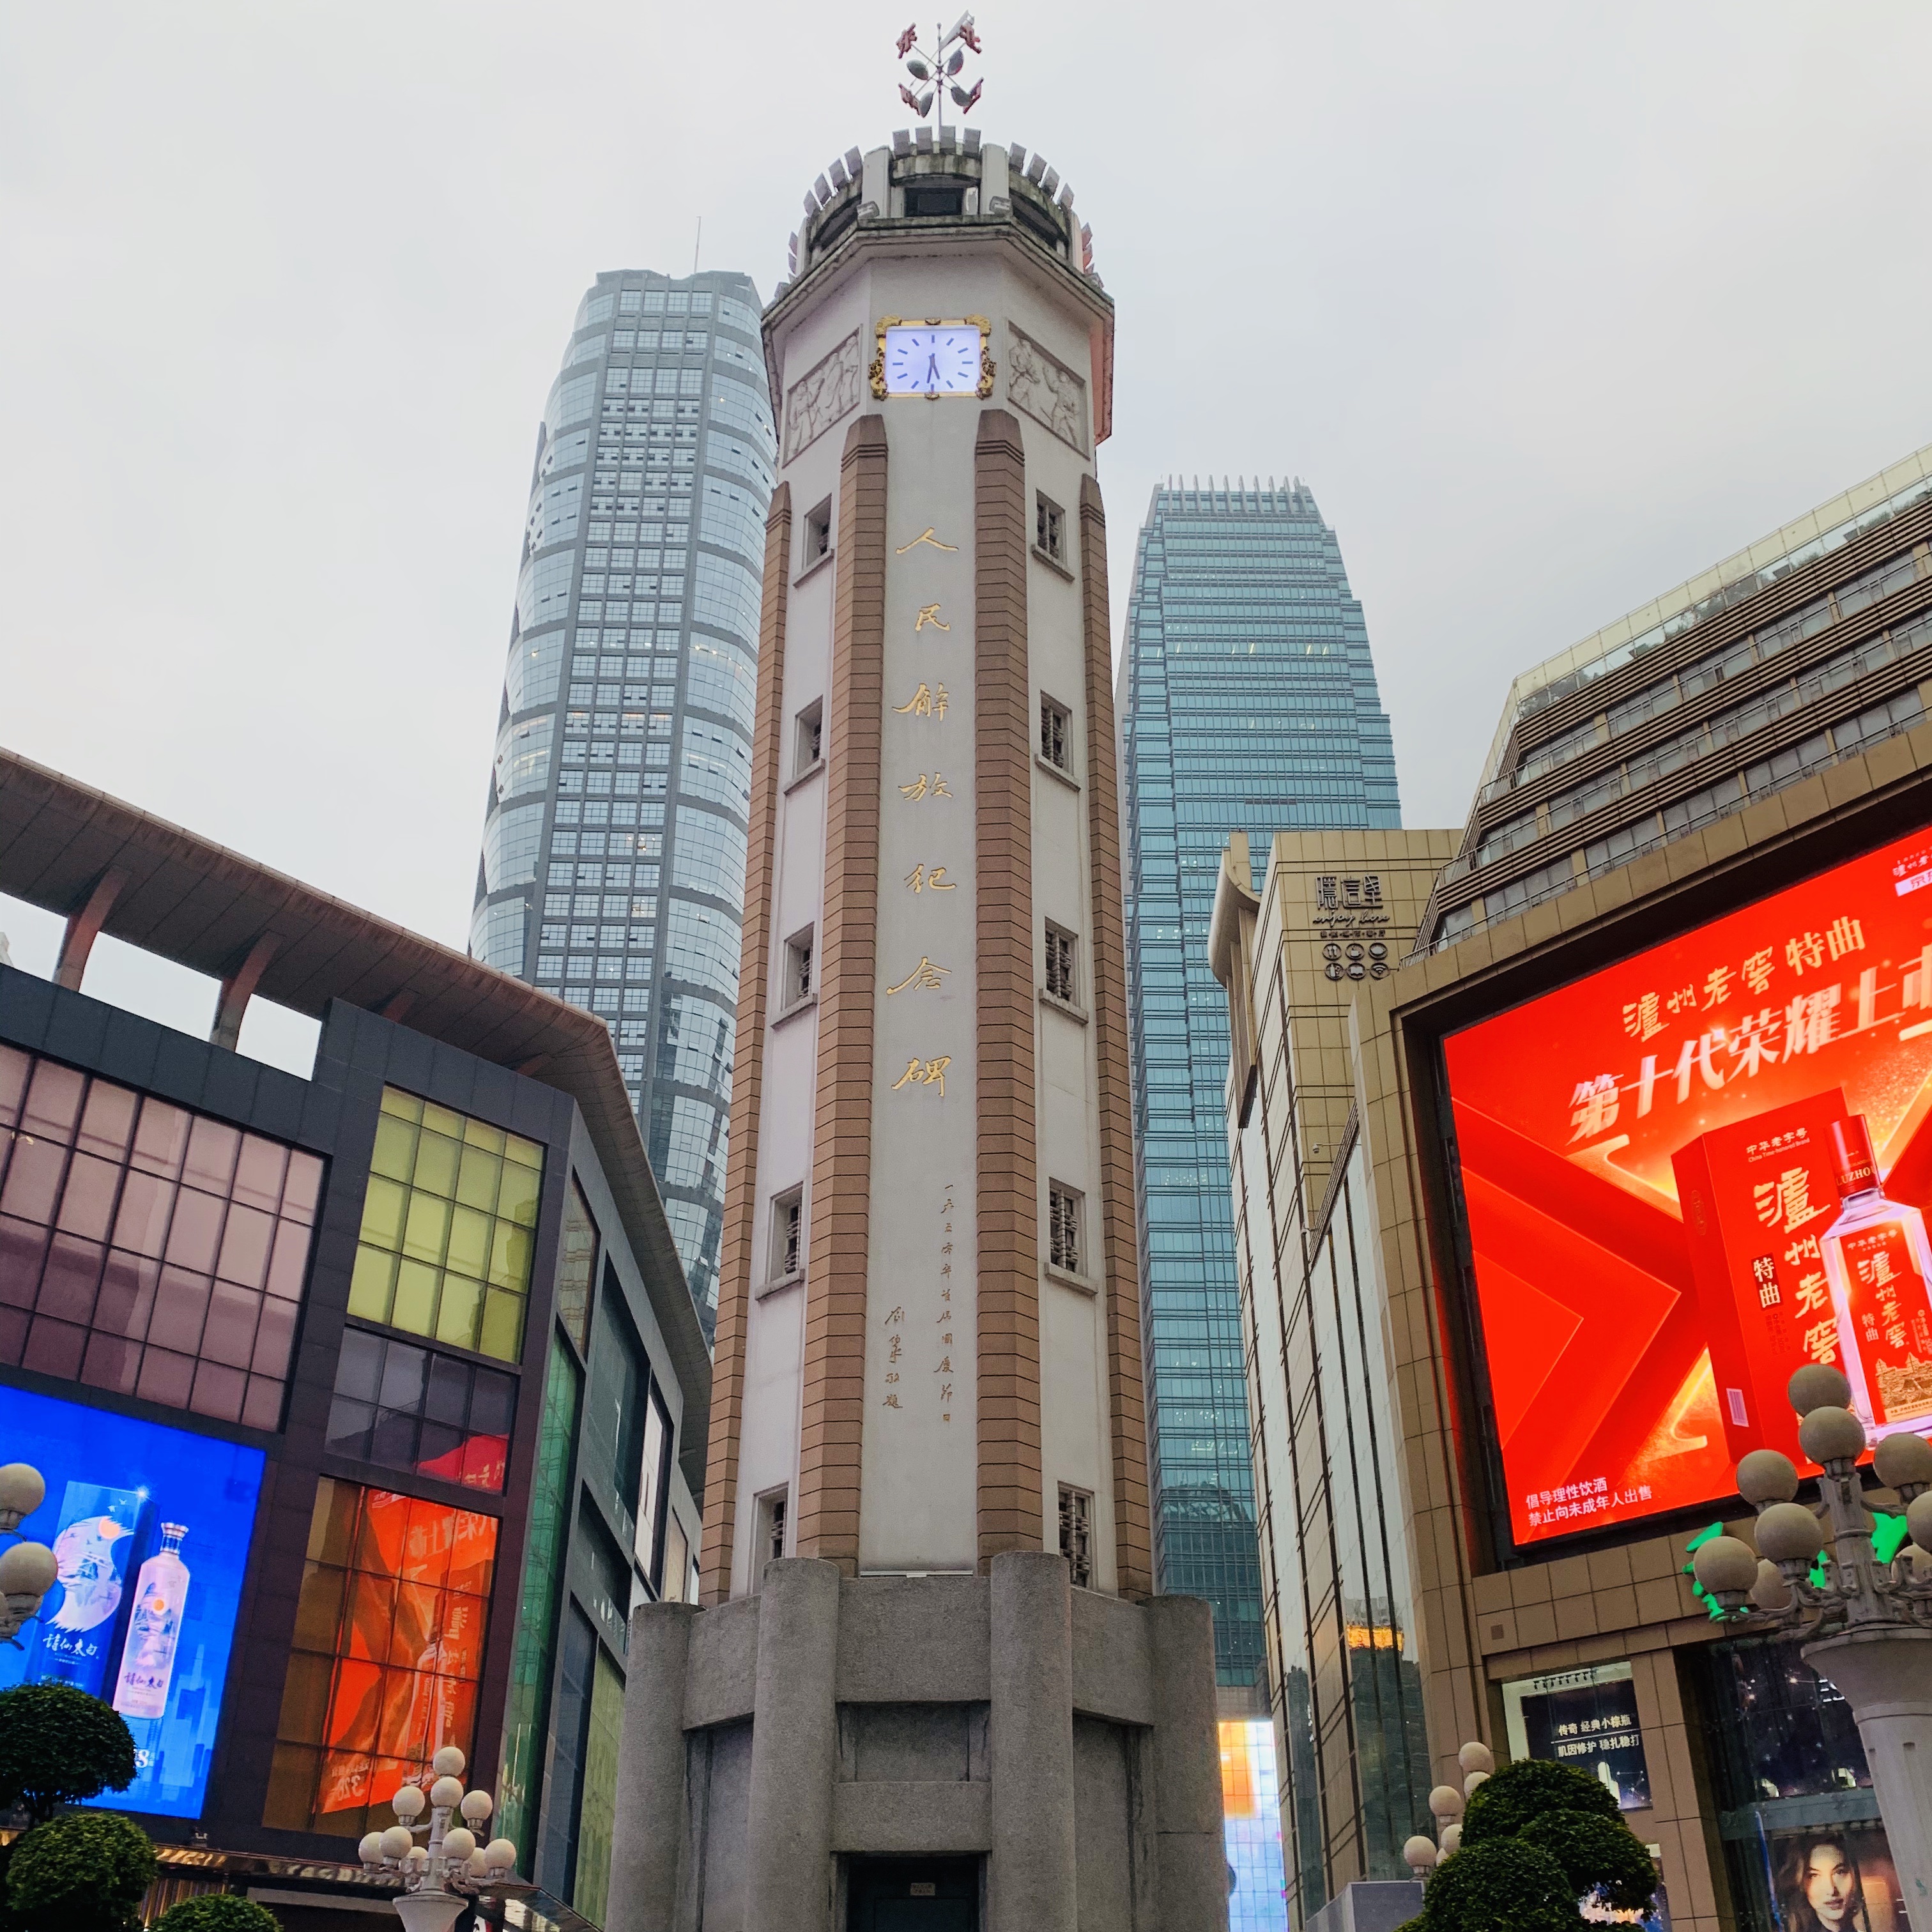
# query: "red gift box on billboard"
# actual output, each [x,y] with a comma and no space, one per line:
[1755,1199]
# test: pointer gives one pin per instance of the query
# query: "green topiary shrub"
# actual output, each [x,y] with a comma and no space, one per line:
[1529,1788]
[1505,1886]
[217,1911]
[58,1745]
[1599,1855]
[84,1871]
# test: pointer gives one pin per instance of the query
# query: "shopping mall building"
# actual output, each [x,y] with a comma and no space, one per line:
[397,1360]
[1531,1127]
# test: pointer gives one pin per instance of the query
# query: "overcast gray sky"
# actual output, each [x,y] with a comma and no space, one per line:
[1551,305]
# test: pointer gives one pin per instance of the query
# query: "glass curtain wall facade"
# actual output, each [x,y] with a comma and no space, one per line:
[613,844]
[1247,702]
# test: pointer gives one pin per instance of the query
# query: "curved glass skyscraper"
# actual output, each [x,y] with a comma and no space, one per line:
[613,847]
[1247,703]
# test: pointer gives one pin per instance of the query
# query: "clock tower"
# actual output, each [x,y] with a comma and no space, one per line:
[928,1666]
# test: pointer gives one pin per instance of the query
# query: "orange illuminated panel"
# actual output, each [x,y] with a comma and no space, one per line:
[389,1648]
[1237,1771]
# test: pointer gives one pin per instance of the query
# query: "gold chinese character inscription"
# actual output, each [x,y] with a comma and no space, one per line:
[925,1073]
[924,878]
[924,978]
[928,613]
[926,536]
[936,787]
[924,703]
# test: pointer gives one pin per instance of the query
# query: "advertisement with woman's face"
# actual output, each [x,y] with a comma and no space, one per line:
[1835,1879]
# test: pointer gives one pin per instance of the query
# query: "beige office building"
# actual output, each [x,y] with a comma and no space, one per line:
[1530,1125]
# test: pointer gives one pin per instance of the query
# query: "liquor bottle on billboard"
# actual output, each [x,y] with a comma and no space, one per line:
[1756,1197]
[1880,1266]
[153,1629]
[91,1551]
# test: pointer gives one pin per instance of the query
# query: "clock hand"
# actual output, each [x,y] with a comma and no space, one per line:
[932,369]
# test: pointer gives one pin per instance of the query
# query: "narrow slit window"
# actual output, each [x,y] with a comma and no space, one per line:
[788,1234]
[810,737]
[1076,1534]
[1056,735]
[771,1543]
[818,533]
[798,966]
[1049,528]
[1062,964]
[1062,1214]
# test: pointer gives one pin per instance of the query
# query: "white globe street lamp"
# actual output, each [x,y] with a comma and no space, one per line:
[1422,1854]
[439,1879]
[27,1570]
[1868,1626]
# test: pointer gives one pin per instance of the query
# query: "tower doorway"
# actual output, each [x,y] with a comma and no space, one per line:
[931,1894]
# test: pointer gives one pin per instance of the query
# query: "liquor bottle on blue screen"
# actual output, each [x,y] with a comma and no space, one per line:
[90,1552]
[1879,1263]
[154,1630]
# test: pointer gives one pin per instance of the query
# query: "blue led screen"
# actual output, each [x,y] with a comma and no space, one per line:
[150,1528]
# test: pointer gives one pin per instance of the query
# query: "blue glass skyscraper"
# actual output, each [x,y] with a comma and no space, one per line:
[1247,703]
[613,870]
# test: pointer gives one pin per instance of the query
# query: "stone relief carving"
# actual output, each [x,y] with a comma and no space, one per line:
[829,390]
[1047,390]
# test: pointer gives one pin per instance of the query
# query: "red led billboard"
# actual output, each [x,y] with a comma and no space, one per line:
[1691,1172]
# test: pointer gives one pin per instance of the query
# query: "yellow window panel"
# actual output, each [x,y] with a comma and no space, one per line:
[426,1235]
[436,1162]
[369,1288]
[476,1179]
[383,1209]
[469,1242]
[395,1153]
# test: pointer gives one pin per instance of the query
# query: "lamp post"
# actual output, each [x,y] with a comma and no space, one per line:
[1422,1854]
[1867,1626]
[27,1570]
[439,1880]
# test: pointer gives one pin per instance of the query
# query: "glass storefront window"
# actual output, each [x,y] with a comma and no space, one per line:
[448,1228]
[388,1648]
[417,1410]
[146,1249]
[535,1652]
[1805,1849]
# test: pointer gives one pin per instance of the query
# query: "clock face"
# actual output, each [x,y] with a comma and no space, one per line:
[928,360]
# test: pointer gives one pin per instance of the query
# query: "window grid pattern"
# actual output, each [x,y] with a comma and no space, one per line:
[1892,655]
[636,645]
[388,1646]
[421,1411]
[1339,1604]
[147,1249]
[1248,699]
[448,1228]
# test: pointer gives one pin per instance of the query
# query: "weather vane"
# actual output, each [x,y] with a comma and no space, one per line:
[937,73]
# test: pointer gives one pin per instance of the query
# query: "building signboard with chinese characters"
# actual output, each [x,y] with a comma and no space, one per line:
[921,1334]
[1585,1718]
[1355,925]
[1652,1160]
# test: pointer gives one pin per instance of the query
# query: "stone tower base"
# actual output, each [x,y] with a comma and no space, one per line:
[1039,1758]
